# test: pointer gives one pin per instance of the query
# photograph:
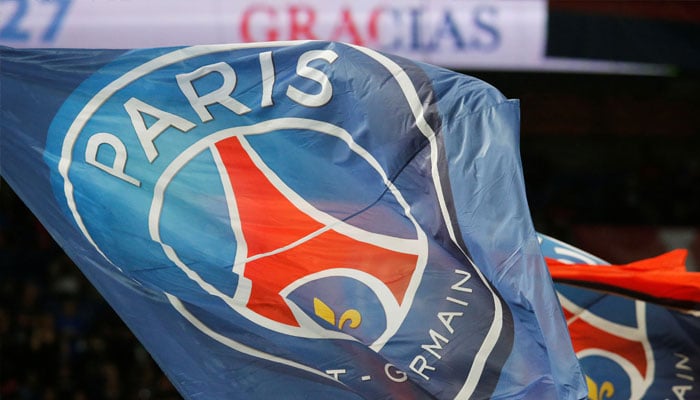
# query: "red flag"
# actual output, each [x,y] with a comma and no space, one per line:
[661,280]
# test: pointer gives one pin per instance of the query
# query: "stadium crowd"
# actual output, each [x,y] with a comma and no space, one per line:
[58,338]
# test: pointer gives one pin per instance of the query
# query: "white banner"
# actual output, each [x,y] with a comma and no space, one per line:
[461,34]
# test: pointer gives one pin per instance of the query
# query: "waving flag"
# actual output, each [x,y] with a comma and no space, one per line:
[660,280]
[294,220]
[636,337]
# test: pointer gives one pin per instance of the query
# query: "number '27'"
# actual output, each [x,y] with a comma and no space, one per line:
[13,31]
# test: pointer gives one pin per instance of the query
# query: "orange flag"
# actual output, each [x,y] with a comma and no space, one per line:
[662,280]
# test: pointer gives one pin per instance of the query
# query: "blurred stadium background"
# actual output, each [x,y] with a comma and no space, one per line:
[611,161]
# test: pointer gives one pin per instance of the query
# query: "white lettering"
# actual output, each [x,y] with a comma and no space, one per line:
[686,377]
[222,95]
[136,108]
[436,345]
[683,363]
[458,286]
[456,301]
[306,71]
[681,390]
[397,375]
[446,319]
[335,373]
[118,165]
[267,69]
[419,364]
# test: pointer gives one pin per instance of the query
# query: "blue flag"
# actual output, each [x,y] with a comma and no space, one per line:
[294,220]
[629,348]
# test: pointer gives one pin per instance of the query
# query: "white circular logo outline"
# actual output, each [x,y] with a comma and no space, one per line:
[638,384]
[416,106]
[396,312]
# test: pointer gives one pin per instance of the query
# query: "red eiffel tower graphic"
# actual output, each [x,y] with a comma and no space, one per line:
[585,336]
[270,222]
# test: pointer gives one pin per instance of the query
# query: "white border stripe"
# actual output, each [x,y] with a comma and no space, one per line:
[415,105]
[639,334]
[418,246]
[240,347]
[105,93]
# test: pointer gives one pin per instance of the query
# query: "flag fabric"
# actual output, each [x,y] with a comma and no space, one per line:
[636,336]
[294,220]
[661,280]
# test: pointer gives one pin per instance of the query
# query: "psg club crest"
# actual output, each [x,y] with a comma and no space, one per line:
[223,178]
[609,333]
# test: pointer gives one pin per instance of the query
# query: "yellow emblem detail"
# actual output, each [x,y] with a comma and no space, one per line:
[606,390]
[350,317]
